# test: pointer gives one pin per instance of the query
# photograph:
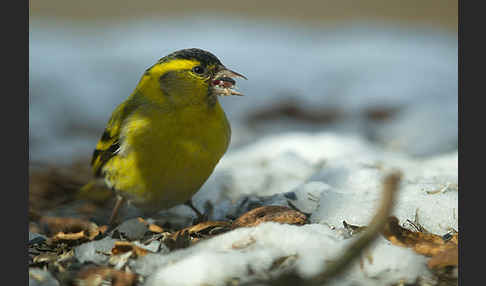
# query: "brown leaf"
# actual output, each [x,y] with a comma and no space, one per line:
[94,276]
[278,214]
[449,257]
[423,243]
[45,257]
[126,246]
[103,229]
[206,227]
[69,237]
[155,228]
[178,240]
[140,219]
[427,244]
[67,225]
[151,227]
[192,234]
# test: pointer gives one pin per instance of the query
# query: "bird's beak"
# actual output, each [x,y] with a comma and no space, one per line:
[224,83]
[224,72]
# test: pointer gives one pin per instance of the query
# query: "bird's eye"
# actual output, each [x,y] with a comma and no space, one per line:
[198,70]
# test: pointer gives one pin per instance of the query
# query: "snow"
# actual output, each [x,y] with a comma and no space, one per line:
[94,251]
[387,270]
[239,250]
[234,254]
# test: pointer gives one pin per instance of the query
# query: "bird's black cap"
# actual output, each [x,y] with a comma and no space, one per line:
[204,57]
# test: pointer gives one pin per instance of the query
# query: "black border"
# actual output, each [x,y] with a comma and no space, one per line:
[15,127]
[471,182]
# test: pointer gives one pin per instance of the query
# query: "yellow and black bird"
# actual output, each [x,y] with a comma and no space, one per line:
[162,143]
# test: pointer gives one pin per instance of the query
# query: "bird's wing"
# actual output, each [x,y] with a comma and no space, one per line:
[109,143]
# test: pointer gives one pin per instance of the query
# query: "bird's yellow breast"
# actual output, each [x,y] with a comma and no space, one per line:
[165,157]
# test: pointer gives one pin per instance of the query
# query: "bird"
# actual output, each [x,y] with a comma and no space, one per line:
[162,143]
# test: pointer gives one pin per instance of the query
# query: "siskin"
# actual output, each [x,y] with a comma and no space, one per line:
[162,143]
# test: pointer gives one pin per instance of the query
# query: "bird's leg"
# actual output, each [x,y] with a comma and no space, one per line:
[119,203]
[200,216]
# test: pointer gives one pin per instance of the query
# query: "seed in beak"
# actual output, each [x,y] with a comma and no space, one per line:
[227,81]
[224,82]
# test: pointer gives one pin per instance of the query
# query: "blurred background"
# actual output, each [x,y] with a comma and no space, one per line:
[385,70]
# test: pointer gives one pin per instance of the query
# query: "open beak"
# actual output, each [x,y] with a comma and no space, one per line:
[223,82]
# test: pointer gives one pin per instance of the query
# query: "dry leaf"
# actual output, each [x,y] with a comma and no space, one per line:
[140,219]
[69,237]
[94,276]
[443,252]
[427,244]
[449,257]
[151,227]
[207,227]
[126,246]
[278,214]
[66,228]
[102,229]
[119,261]
[155,228]
[45,257]
[192,234]
[178,240]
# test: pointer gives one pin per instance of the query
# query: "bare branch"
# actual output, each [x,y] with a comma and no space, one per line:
[342,263]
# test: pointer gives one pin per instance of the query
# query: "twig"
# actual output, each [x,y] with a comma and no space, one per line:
[342,263]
